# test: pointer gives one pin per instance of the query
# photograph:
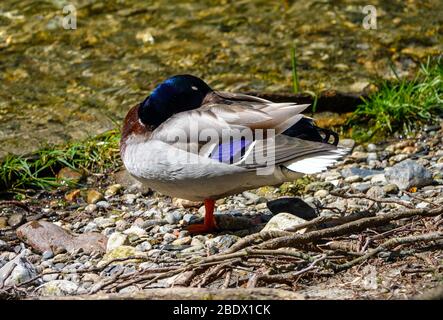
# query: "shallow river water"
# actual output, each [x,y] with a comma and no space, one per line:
[58,84]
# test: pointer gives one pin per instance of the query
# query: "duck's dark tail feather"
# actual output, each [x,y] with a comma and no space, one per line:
[306,129]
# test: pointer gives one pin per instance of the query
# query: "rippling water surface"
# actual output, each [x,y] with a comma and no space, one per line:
[58,84]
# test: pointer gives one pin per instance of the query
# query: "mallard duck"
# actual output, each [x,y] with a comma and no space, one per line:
[159,145]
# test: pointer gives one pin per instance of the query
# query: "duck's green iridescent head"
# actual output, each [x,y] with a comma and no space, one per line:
[176,94]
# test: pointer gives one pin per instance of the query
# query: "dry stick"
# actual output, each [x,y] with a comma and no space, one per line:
[347,228]
[264,236]
[192,267]
[106,282]
[363,196]
[17,204]
[420,198]
[212,274]
[284,252]
[253,280]
[390,243]
[288,277]
[227,280]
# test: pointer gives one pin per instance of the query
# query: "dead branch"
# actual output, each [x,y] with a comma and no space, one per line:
[289,276]
[347,228]
[378,200]
[189,294]
[390,243]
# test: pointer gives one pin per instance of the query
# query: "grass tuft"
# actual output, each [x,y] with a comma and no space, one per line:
[39,169]
[401,105]
[295,83]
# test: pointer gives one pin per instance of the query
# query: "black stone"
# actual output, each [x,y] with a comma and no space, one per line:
[295,206]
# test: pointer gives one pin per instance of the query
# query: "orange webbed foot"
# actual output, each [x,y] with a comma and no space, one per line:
[201,228]
[209,225]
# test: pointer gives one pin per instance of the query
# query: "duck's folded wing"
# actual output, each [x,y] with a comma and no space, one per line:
[226,119]
[293,153]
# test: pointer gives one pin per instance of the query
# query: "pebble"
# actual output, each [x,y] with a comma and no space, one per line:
[183,203]
[112,190]
[321,194]
[129,198]
[72,195]
[135,230]
[378,179]
[376,192]
[22,270]
[69,176]
[361,172]
[319,185]
[50,277]
[390,188]
[173,217]
[3,244]
[252,197]
[372,156]
[352,179]
[190,218]
[422,205]
[169,237]
[282,221]
[398,158]
[359,156]
[94,196]
[116,240]
[144,246]
[58,288]
[3,222]
[103,204]
[408,174]
[103,223]
[90,227]
[182,241]
[361,186]
[16,219]
[91,208]
[371,147]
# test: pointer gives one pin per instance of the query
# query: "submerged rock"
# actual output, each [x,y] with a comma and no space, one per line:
[408,174]
[46,236]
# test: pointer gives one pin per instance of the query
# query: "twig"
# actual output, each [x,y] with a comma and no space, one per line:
[16,203]
[347,228]
[420,198]
[227,280]
[288,277]
[390,243]
[363,196]
[212,274]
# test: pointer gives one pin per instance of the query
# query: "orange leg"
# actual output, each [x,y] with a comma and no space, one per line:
[208,225]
